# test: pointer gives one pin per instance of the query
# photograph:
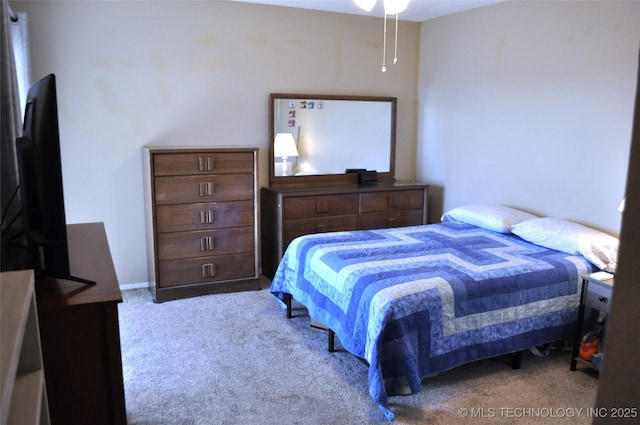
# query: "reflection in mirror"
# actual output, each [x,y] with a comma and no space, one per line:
[284,147]
[332,134]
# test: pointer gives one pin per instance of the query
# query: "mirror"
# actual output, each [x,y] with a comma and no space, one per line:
[315,138]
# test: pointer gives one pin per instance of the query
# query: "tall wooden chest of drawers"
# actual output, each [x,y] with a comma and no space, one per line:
[202,230]
[291,212]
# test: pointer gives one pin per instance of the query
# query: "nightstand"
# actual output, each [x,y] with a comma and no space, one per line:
[596,293]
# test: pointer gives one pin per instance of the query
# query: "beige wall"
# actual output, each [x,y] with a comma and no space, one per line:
[199,73]
[523,103]
[530,104]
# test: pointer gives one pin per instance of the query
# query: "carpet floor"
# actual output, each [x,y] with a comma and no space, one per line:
[236,359]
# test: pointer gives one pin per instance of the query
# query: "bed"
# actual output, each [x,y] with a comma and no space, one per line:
[415,301]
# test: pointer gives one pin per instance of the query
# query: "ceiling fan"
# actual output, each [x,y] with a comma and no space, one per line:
[391,7]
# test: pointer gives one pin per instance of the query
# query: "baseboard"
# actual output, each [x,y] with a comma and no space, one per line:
[138,285]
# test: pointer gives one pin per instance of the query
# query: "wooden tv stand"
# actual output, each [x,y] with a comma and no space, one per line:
[80,334]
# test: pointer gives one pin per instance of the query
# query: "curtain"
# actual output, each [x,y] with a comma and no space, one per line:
[12,27]
[22,55]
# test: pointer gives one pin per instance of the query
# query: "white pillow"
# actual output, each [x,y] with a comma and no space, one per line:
[573,238]
[491,217]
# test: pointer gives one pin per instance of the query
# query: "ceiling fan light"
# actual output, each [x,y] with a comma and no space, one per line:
[367,5]
[393,7]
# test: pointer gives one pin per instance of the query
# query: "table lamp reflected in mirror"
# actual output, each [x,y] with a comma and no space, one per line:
[284,147]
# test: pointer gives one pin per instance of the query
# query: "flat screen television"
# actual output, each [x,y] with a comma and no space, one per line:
[40,178]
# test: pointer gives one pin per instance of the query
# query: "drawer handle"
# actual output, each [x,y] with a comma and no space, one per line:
[392,201]
[208,270]
[206,189]
[205,163]
[321,228]
[392,222]
[206,244]
[207,216]
[322,207]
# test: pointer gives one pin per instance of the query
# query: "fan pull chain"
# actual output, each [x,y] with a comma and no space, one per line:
[384,45]
[395,53]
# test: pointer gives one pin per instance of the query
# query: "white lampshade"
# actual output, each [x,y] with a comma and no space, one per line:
[392,7]
[284,146]
[367,5]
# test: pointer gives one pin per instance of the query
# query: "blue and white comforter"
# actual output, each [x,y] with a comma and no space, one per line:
[414,301]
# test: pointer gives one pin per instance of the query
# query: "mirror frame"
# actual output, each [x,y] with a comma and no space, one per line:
[329,179]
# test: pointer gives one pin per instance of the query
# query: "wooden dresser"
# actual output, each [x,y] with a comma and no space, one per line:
[202,232]
[291,212]
[80,334]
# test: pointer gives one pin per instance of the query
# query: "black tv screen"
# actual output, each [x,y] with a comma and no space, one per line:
[41,188]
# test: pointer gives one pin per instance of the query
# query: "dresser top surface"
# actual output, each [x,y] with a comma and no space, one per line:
[378,187]
[195,149]
[90,258]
